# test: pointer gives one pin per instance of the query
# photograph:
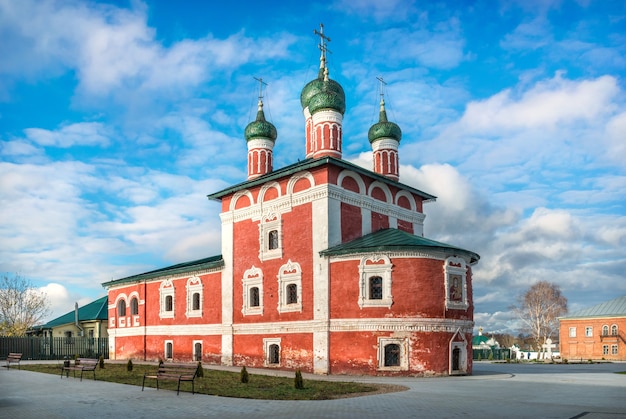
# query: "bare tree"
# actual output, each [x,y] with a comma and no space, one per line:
[538,309]
[21,305]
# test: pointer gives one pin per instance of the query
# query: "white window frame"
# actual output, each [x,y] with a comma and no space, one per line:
[572,332]
[614,330]
[369,267]
[605,330]
[289,273]
[252,277]
[605,349]
[269,222]
[404,358]
[614,350]
[589,331]
[167,289]
[455,267]
[267,343]
[194,285]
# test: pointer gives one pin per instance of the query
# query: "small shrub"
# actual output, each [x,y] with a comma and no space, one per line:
[480,357]
[200,370]
[298,383]
[490,357]
[565,360]
[101,362]
[244,375]
[129,365]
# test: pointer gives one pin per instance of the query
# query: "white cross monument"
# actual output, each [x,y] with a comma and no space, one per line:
[548,346]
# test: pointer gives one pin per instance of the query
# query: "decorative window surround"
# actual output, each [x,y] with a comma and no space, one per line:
[271,225]
[375,266]
[252,278]
[194,285]
[455,272]
[289,273]
[403,356]
[166,290]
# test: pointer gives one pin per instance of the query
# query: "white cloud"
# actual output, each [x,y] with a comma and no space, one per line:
[78,134]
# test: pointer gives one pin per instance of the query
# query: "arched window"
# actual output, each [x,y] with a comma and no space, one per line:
[196,301]
[274,355]
[134,306]
[121,308]
[392,355]
[376,288]
[255,299]
[614,330]
[292,294]
[605,330]
[169,303]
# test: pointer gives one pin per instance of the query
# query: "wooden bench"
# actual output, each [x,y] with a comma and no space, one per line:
[13,358]
[82,365]
[173,372]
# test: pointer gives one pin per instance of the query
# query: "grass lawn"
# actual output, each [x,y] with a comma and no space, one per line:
[228,384]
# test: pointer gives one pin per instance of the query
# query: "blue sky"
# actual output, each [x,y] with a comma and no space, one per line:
[118,118]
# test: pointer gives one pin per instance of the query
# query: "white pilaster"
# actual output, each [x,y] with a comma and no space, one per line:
[227,291]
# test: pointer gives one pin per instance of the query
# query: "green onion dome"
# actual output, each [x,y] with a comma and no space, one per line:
[383,128]
[328,99]
[319,85]
[260,128]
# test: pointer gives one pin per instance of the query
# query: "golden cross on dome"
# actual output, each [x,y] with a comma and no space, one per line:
[261,83]
[382,87]
[323,38]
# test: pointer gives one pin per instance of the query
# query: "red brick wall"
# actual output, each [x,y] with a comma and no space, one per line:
[591,347]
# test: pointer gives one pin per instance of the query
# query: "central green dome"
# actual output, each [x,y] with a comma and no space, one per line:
[319,85]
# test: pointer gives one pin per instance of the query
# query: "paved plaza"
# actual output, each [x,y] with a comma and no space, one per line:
[586,391]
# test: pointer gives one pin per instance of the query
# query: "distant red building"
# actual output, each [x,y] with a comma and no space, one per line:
[324,267]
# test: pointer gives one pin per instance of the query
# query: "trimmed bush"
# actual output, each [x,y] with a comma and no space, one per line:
[298,383]
[244,375]
[101,362]
[200,370]
[129,365]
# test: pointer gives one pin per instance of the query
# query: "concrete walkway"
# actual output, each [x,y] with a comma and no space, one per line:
[494,391]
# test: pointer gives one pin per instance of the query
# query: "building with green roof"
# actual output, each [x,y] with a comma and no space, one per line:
[597,332]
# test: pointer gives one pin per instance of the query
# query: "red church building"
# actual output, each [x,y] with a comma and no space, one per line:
[323,268]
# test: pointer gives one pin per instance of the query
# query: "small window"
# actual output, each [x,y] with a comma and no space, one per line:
[166,299]
[589,331]
[274,355]
[68,337]
[392,355]
[613,349]
[271,350]
[290,287]
[169,350]
[121,308]
[273,240]
[605,331]
[292,294]
[376,288]
[169,303]
[196,301]
[194,297]
[255,301]
[605,349]
[614,330]
[134,307]
[197,351]
[572,332]
[375,282]
[252,297]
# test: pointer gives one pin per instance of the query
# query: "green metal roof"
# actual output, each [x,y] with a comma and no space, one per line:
[96,310]
[477,340]
[613,308]
[310,164]
[392,239]
[194,265]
